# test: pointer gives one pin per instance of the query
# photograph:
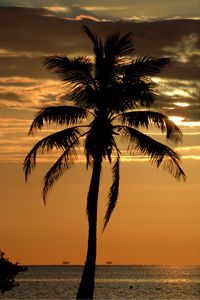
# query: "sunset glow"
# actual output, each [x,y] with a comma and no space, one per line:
[181,104]
[178,92]
[177,120]
[156,219]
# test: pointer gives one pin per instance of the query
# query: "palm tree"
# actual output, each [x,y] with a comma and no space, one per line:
[111,92]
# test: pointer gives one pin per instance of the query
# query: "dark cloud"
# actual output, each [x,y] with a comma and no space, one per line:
[76,11]
[22,67]
[9,96]
[28,35]
[189,71]
[30,30]
[14,83]
[32,34]
[190,113]
[116,9]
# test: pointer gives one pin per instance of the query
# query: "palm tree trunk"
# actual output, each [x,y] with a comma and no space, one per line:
[86,288]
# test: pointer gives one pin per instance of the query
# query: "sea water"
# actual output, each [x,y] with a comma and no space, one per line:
[112,282]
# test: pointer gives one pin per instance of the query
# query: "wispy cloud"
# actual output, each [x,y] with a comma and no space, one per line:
[58,9]
[185,49]
[84,16]
[13,53]
[179,98]
[26,93]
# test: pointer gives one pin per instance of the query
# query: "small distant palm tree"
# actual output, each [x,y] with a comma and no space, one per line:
[108,91]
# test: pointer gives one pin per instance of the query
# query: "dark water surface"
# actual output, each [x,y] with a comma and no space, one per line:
[112,282]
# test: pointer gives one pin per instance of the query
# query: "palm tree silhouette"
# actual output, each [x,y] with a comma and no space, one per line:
[108,91]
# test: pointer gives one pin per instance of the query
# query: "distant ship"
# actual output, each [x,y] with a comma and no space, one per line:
[109,262]
[65,262]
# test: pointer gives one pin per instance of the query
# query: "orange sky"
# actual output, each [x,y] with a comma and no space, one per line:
[156,220]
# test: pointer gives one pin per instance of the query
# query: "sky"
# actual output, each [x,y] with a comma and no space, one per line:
[157,220]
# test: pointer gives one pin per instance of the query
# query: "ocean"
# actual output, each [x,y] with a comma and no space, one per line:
[112,282]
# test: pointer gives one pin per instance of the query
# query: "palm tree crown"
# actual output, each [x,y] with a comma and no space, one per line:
[111,91]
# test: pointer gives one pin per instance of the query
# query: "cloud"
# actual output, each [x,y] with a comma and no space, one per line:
[28,35]
[22,66]
[190,152]
[27,41]
[58,9]
[181,91]
[107,7]
[17,81]
[29,94]
[87,17]
[185,49]
[114,9]
[10,96]
[15,142]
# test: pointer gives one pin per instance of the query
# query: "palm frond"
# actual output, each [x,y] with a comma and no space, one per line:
[140,92]
[102,70]
[150,118]
[68,115]
[157,152]
[116,46]
[84,96]
[74,70]
[97,42]
[145,66]
[59,140]
[65,162]
[113,193]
